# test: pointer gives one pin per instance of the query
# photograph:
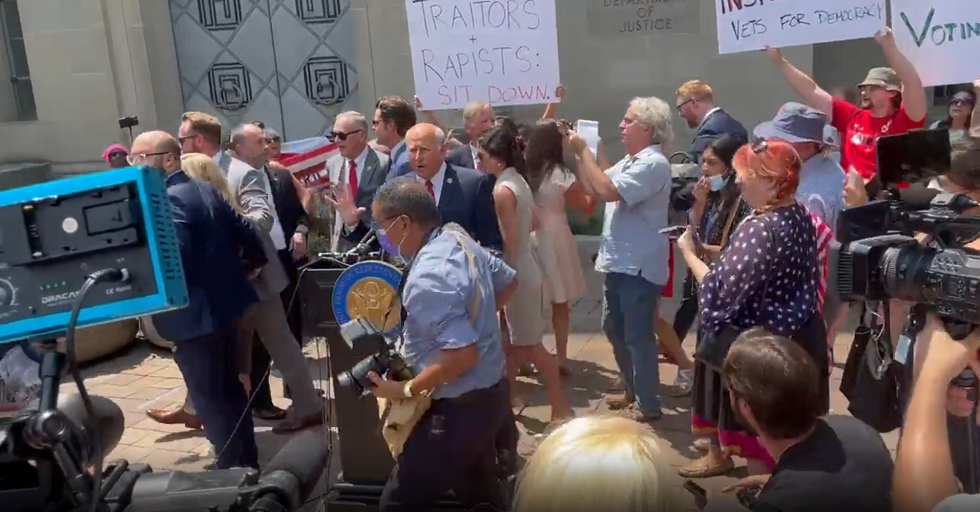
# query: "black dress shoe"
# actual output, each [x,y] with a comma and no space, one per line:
[269,413]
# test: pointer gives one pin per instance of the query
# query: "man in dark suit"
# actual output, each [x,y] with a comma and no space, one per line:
[477,119]
[355,175]
[696,104]
[463,195]
[210,234]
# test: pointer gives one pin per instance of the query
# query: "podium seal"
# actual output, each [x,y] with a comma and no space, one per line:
[369,290]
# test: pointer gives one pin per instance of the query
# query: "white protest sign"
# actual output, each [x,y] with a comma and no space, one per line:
[503,52]
[748,25]
[940,38]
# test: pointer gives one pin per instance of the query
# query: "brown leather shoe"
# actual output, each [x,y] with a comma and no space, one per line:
[296,423]
[175,417]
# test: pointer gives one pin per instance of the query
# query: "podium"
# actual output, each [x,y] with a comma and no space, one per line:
[365,460]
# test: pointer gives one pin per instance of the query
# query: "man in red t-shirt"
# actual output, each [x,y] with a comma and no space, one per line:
[893,102]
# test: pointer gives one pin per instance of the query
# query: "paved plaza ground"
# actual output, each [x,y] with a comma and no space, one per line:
[146,377]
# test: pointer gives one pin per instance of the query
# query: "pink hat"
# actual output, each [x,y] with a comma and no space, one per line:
[112,149]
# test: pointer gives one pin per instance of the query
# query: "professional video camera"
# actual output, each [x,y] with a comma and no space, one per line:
[877,256]
[108,237]
[385,360]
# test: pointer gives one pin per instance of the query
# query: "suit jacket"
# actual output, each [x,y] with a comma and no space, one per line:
[211,234]
[248,187]
[461,157]
[374,174]
[289,208]
[467,200]
[717,123]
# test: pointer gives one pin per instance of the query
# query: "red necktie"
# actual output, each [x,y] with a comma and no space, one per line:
[479,165]
[352,178]
[432,191]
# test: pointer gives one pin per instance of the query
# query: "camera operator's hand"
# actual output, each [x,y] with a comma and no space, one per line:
[943,357]
[749,482]
[855,191]
[958,402]
[384,388]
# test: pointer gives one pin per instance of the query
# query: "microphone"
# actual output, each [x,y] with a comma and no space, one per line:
[296,470]
[109,423]
[364,245]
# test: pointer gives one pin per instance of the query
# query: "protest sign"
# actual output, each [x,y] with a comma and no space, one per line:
[940,38]
[747,25]
[607,18]
[504,52]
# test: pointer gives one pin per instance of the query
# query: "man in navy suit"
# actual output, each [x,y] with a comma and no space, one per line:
[463,195]
[210,234]
[696,104]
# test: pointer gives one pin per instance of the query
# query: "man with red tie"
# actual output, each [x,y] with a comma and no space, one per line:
[462,195]
[356,173]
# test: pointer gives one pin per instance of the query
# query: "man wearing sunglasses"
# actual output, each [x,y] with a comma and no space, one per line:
[355,175]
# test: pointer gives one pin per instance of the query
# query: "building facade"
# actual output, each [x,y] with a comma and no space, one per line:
[75,68]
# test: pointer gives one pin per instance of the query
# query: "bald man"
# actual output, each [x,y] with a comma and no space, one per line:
[211,234]
[464,196]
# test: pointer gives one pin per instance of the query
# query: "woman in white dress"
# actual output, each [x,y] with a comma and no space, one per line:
[502,155]
[553,184]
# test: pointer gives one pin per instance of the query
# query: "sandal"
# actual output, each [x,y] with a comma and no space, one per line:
[701,468]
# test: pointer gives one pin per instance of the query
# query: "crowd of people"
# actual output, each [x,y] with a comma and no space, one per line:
[482,226]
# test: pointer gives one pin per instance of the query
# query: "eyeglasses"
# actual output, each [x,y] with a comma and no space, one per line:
[681,105]
[956,102]
[343,136]
[141,157]
[273,140]
[118,154]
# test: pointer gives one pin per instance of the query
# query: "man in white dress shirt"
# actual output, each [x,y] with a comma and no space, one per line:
[355,175]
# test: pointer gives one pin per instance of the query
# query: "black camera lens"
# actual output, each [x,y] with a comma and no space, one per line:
[357,378]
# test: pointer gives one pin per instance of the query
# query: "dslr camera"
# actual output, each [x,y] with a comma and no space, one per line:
[876,256]
[385,359]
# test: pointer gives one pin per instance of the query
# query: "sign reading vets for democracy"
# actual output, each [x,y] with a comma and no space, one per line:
[503,52]
[748,25]
[942,39]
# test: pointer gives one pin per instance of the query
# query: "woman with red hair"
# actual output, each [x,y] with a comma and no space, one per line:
[766,277]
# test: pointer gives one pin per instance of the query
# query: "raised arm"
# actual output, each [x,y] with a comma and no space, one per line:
[913,93]
[551,108]
[811,93]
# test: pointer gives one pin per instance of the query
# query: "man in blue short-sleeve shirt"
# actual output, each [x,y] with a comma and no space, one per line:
[451,294]
[633,254]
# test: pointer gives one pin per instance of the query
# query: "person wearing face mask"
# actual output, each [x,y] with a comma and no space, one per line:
[718,208]
[451,292]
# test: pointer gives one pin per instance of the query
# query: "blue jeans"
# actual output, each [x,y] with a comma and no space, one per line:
[627,319]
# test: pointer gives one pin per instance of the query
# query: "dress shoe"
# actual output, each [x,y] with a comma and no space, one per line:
[175,417]
[268,413]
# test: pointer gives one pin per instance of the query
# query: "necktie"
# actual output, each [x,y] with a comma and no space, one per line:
[479,165]
[352,177]
[432,191]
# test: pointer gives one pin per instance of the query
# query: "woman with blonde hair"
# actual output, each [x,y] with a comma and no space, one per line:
[201,167]
[597,463]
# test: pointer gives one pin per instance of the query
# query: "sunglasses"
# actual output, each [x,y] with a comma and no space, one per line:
[760,147]
[343,136]
[960,101]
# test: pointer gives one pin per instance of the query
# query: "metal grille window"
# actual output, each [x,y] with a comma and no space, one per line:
[20,74]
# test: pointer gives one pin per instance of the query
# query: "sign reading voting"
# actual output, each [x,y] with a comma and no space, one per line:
[504,52]
[940,38]
[747,25]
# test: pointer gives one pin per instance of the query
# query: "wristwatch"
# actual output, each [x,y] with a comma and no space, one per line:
[407,389]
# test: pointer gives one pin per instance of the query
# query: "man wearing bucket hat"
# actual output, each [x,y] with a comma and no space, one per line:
[893,102]
[821,187]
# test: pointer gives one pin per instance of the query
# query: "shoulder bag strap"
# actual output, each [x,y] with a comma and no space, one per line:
[474,275]
[731,220]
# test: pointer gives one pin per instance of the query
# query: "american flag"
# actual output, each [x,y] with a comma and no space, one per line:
[307,160]
[824,237]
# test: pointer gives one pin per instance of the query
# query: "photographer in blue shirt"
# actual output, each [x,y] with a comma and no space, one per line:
[451,294]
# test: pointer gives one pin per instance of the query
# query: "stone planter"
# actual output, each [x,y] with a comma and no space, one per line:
[98,341]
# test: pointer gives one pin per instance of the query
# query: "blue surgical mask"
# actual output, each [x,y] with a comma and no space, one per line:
[718,182]
[386,243]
